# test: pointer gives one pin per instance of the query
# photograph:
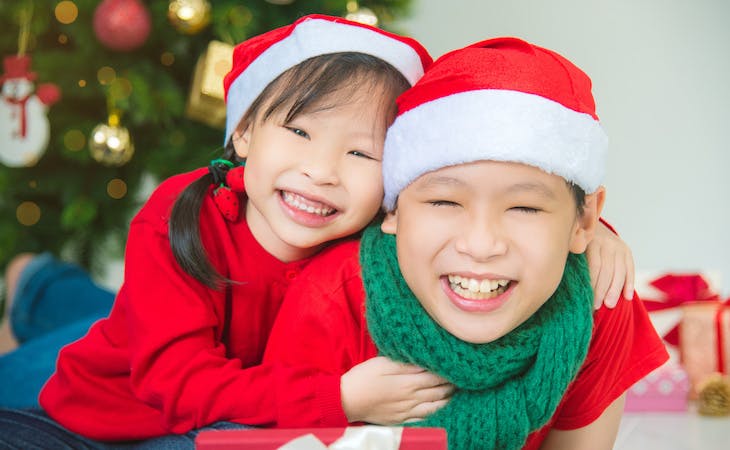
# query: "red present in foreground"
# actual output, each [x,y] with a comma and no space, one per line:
[339,438]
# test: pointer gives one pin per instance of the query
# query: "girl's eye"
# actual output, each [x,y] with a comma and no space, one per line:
[360,154]
[526,209]
[298,132]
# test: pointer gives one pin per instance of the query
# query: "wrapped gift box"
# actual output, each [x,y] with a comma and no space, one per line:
[704,341]
[206,101]
[351,438]
[686,310]
[664,389]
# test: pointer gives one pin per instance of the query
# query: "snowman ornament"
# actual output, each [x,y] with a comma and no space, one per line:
[24,126]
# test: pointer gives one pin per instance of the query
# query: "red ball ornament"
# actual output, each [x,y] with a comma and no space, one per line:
[122,25]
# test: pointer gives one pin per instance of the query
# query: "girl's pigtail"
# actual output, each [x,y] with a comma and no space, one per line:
[184,233]
[184,230]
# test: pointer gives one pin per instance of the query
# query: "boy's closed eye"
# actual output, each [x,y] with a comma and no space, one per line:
[526,209]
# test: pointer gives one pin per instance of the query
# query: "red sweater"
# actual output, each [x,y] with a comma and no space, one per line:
[322,324]
[159,364]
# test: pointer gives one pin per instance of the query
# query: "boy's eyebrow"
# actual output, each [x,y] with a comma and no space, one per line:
[433,181]
[537,187]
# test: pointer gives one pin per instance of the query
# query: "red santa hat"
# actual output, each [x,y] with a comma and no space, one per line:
[503,100]
[17,67]
[259,60]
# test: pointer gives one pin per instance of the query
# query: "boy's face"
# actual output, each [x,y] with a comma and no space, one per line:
[483,245]
[314,179]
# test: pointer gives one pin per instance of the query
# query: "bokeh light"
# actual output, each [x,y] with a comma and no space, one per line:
[106,75]
[116,188]
[74,140]
[66,12]
[28,213]
[167,58]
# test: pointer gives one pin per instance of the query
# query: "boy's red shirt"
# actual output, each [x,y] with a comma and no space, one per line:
[322,324]
[157,365]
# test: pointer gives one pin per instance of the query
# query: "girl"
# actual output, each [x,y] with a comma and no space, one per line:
[206,268]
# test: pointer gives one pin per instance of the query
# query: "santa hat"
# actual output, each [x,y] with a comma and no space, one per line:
[17,67]
[259,60]
[503,100]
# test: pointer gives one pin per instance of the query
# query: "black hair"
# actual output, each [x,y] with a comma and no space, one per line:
[317,83]
[579,195]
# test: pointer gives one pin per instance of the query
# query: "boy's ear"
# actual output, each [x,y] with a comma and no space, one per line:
[390,223]
[585,226]
[241,139]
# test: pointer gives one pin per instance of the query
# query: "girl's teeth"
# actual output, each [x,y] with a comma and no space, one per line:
[298,202]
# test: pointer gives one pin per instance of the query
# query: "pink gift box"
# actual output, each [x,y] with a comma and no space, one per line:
[664,389]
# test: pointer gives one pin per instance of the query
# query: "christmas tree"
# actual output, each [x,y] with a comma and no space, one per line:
[101,98]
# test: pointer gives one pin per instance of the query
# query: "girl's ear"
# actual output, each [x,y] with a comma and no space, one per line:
[241,139]
[585,225]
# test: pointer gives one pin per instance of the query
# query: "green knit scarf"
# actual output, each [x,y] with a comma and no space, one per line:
[506,389]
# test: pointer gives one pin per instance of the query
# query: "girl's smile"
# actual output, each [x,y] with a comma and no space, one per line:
[307,211]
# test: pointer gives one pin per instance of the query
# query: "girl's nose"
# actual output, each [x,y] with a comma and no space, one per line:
[321,167]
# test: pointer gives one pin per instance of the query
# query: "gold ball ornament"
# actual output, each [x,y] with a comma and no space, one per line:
[714,396]
[189,16]
[111,144]
[359,14]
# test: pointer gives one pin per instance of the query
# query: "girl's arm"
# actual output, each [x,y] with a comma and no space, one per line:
[611,264]
[321,326]
[599,435]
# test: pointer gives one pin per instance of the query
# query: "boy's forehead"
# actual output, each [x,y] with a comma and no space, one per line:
[521,176]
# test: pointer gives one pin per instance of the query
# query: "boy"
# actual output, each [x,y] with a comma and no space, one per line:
[492,175]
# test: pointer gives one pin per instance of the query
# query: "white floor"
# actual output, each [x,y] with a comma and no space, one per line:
[673,431]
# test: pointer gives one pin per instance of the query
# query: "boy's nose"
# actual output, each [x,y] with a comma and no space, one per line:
[482,240]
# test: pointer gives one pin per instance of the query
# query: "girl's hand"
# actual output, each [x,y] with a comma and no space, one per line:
[611,266]
[384,392]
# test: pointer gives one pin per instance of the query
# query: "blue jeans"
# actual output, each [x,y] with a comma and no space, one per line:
[55,303]
[32,429]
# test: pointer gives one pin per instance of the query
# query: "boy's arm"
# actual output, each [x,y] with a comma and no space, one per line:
[597,435]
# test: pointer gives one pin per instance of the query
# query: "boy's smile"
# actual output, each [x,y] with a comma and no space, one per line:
[476,294]
[483,245]
[316,178]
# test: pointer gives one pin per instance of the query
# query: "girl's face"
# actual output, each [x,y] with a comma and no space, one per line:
[315,179]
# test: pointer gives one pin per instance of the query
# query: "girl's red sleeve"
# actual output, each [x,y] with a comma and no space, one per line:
[321,326]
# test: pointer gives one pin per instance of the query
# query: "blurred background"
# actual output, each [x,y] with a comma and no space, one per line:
[127,92]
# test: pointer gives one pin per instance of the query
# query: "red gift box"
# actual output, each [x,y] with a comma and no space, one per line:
[272,439]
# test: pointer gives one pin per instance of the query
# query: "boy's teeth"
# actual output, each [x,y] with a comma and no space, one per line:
[476,289]
[302,204]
